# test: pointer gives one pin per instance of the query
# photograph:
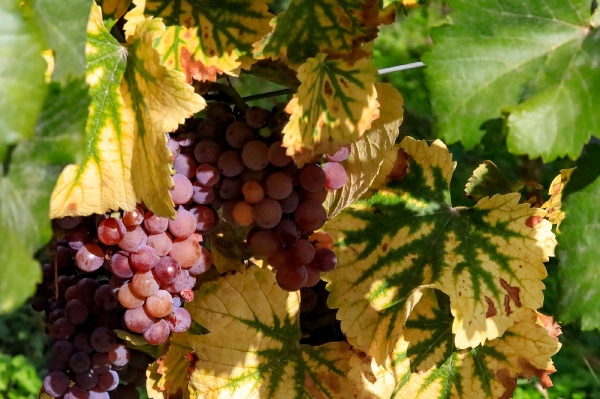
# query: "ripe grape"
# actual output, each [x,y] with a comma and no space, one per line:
[186,252]
[277,155]
[111,231]
[182,190]
[278,185]
[62,350]
[179,320]
[81,342]
[155,224]
[203,194]
[207,151]
[87,379]
[100,363]
[302,252]
[220,111]
[157,333]
[128,298]
[135,217]
[76,392]
[230,163]
[314,276]
[203,264]
[205,217]
[210,129]
[144,284]
[108,381]
[325,259]
[253,192]
[280,258]
[161,243]
[289,203]
[68,222]
[89,258]
[183,226]
[79,362]
[243,213]
[137,320]
[118,355]
[340,155]
[287,232]
[186,165]
[255,155]
[256,116]
[56,383]
[335,175]
[134,237]
[174,147]
[143,257]
[267,213]
[312,178]
[160,304]
[102,339]
[238,134]
[62,329]
[310,215]
[263,243]
[166,270]
[321,239]
[291,277]
[207,175]
[230,188]
[76,311]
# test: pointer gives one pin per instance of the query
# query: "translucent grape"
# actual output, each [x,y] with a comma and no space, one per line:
[205,217]
[134,237]
[239,133]
[203,194]
[340,155]
[111,231]
[157,333]
[203,264]
[312,177]
[253,192]
[278,185]
[291,277]
[277,155]
[186,252]
[166,270]
[161,243]
[267,213]
[89,258]
[128,298]
[207,151]
[77,312]
[182,189]
[321,239]
[160,304]
[179,321]
[120,266]
[324,260]
[255,155]
[335,175]
[289,203]
[302,252]
[56,383]
[144,284]
[310,215]
[102,339]
[186,165]
[108,381]
[137,320]
[143,257]
[230,163]
[183,225]
[79,362]
[118,355]
[243,213]
[256,116]
[287,232]
[135,217]
[263,243]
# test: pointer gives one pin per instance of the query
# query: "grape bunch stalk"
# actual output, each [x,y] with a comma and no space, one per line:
[235,163]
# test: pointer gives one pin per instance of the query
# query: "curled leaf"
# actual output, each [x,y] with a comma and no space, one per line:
[488,180]
[554,204]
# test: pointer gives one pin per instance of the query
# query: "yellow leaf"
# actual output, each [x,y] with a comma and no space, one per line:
[169,375]
[335,104]
[368,153]
[554,204]
[114,9]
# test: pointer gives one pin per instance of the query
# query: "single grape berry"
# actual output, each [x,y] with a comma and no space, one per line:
[111,231]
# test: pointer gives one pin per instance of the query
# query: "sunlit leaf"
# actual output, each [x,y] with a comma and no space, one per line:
[205,38]
[335,105]
[170,374]
[113,9]
[488,180]
[253,350]
[367,154]
[554,204]
[135,101]
[425,362]
[309,27]
[488,259]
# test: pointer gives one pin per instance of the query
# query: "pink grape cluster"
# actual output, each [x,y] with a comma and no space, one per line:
[236,164]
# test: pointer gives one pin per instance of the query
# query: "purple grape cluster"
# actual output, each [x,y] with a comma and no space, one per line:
[235,163]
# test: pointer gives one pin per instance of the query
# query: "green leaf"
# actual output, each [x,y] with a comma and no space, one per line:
[335,104]
[488,180]
[488,259]
[253,350]
[367,154]
[309,27]
[22,87]
[204,38]
[534,60]
[63,24]
[425,363]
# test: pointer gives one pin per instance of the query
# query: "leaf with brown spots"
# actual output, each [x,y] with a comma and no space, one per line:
[425,363]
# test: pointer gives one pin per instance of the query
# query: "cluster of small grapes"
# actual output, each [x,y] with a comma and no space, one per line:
[237,163]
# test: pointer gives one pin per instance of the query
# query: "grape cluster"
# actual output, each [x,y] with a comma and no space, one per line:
[236,164]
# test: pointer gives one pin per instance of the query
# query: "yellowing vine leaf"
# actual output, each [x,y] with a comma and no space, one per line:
[554,204]
[335,104]
[114,9]
[488,259]
[253,350]
[169,375]
[205,38]
[488,180]
[425,363]
[368,153]
[135,101]
[310,27]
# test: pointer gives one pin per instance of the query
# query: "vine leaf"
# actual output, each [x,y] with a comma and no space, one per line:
[23,89]
[368,153]
[488,259]
[253,350]
[205,38]
[335,104]
[546,82]
[310,27]
[127,160]
[426,364]
[554,204]
[488,180]
[169,375]
[113,9]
